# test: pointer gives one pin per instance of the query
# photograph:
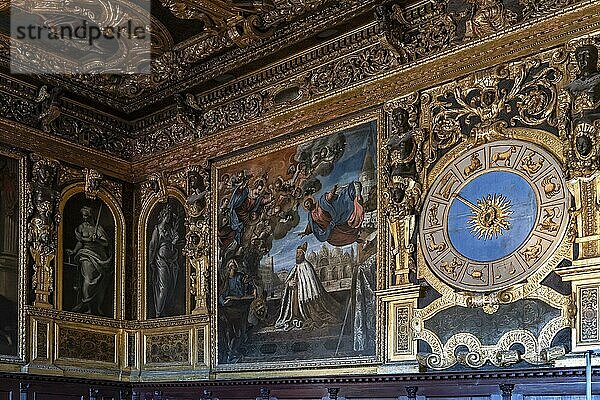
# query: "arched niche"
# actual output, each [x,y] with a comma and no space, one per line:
[13,258]
[91,254]
[164,283]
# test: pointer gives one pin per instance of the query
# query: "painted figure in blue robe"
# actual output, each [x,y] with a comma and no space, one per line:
[338,215]
[246,205]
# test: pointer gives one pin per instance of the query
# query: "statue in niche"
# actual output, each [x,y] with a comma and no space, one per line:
[164,260]
[93,256]
[585,89]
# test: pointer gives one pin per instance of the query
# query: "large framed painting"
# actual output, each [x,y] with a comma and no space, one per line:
[296,250]
[90,253]
[12,257]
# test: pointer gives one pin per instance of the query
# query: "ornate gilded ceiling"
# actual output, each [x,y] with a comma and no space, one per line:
[221,63]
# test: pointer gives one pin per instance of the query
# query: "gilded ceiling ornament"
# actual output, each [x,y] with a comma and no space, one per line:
[488,17]
[4,5]
[128,54]
[240,21]
[435,30]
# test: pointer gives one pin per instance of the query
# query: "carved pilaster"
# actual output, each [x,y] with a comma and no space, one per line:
[399,303]
[579,107]
[198,234]
[42,226]
[403,190]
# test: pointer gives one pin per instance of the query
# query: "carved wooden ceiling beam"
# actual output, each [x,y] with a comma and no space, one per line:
[241,21]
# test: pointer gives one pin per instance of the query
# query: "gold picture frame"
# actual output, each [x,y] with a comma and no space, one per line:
[345,365]
[119,247]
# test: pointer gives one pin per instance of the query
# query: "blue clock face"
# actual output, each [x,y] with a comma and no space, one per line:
[494,215]
[501,228]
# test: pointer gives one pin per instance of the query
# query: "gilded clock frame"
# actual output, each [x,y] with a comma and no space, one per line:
[443,353]
[513,292]
[462,155]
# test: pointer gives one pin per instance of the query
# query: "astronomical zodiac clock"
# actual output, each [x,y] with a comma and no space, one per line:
[494,216]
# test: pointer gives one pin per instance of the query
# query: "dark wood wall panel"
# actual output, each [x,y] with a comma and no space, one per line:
[550,384]
[54,396]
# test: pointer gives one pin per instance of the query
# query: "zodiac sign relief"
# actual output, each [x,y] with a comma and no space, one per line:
[548,224]
[550,188]
[433,246]
[450,267]
[530,166]
[473,166]
[532,252]
[477,274]
[504,156]
[446,185]
[509,269]
[432,216]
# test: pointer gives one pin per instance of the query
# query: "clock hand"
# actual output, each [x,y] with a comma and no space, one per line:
[467,202]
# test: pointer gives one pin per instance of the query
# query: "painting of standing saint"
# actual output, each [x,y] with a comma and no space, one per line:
[296,232]
[89,257]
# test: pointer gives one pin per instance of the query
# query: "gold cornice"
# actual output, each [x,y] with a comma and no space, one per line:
[28,138]
[540,36]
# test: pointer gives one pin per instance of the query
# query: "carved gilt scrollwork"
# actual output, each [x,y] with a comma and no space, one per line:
[156,185]
[197,246]
[42,226]
[488,17]
[92,182]
[241,22]
[434,31]
[481,105]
